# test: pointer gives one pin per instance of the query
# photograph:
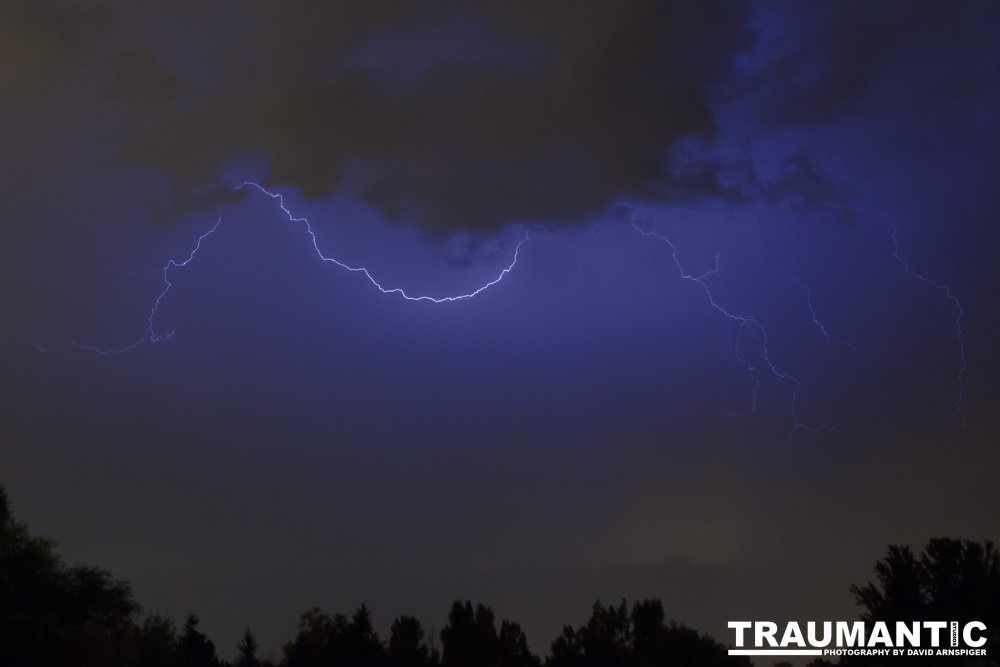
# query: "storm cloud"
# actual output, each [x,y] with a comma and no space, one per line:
[139,79]
[40,40]
[455,132]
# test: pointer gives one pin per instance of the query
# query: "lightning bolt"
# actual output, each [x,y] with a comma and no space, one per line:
[959,417]
[361,269]
[743,325]
[150,335]
[815,318]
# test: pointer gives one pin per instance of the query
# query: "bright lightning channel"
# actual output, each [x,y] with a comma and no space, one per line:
[151,336]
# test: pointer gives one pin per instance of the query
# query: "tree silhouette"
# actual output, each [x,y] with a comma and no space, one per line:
[684,647]
[359,643]
[156,644]
[649,634]
[97,622]
[311,647]
[246,651]
[54,615]
[899,594]
[323,640]
[194,648]
[565,650]
[512,647]
[470,638]
[606,638]
[57,616]
[406,647]
[951,580]
[613,636]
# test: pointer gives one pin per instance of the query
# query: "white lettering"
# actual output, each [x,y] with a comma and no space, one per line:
[792,635]
[935,627]
[853,637]
[880,635]
[766,630]
[911,633]
[827,634]
[967,634]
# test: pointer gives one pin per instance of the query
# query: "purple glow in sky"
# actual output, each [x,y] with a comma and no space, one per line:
[699,365]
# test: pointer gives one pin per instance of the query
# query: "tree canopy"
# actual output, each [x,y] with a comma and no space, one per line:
[52,615]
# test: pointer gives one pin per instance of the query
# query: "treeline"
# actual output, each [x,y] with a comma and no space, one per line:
[52,615]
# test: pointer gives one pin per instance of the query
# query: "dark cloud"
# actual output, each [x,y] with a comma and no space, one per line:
[138,78]
[471,142]
[40,40]
[824,75]
[198,200]
[695,176]
[831,60]
[802,185]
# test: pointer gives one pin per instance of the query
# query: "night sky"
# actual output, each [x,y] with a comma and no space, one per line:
[711,376]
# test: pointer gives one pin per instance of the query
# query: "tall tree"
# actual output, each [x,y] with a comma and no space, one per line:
[311,647]
[612,636]
[649,633]
[246,651]
[512,647]
[54,615]
[470,637]
[194,648]
[606,638]
[950,580]
[406,647]
[360,643]
[156,644]
[97,623]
